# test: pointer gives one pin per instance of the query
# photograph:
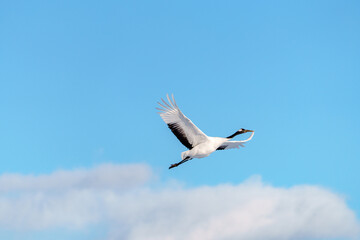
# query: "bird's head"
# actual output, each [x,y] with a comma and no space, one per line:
[242,130]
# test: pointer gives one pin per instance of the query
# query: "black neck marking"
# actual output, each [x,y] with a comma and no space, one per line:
[235,134]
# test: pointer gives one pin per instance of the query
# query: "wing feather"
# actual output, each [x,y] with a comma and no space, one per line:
[160,109]
[167,105]
[182,127]
[163,106]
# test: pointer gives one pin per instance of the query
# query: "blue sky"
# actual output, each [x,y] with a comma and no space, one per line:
[80,81]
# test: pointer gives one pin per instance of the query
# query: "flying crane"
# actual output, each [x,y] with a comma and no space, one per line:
[199,144]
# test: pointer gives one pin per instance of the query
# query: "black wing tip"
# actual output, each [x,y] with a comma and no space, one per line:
[221,148]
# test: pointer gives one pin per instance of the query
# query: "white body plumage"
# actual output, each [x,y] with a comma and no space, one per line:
[204,149]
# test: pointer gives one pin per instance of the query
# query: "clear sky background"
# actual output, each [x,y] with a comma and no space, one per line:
[79,82]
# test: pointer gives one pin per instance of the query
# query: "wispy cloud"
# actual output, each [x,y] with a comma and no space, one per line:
[117,196]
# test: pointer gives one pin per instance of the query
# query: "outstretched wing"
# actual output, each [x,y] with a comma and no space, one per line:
[234,144]
[182,127]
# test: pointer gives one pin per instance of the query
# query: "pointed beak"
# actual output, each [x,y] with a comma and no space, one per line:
[249,131]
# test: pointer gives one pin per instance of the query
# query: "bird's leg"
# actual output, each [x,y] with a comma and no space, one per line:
[177,164]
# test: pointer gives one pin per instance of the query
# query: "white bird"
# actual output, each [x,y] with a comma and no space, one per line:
[199,144]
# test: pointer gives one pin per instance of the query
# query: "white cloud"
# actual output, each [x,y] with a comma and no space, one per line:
[117,196]
[116,177]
